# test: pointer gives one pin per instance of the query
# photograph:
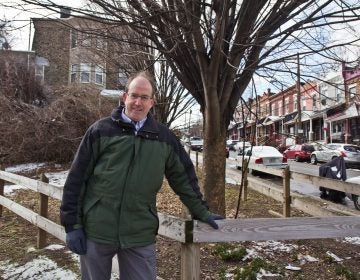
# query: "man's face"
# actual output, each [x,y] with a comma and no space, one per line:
[138,100]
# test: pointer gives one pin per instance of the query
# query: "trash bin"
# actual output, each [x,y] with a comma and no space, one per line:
[334,169]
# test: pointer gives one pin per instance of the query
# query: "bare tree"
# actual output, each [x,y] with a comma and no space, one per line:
[4,35]
[172,99]
[215,47]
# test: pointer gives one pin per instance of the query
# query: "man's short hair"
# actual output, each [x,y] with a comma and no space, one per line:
[144,74]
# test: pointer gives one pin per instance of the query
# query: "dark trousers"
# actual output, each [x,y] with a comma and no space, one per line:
[134,263]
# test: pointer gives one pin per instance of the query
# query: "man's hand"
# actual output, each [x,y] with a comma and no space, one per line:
[76,241]
[211,220]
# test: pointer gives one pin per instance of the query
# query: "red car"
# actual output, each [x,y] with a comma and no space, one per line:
[300,152]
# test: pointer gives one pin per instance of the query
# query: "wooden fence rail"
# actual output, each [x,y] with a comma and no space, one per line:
[191,232]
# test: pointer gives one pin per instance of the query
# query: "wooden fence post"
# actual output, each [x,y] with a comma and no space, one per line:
[286,192]
[43,211]
[2,183]
[190,252]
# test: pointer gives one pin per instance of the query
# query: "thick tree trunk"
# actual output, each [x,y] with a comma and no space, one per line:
[214,159]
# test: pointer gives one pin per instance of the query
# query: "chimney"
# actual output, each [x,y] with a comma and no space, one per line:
[65,12]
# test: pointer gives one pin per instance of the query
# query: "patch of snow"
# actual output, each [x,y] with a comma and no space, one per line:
[352,240]
[334,257]
[271,246]
[26,167]
[291,267]
[39,268]
[251,254]
[57,178]
[54,247]
[263,273]
[231,181]
[8,189]
[306,258]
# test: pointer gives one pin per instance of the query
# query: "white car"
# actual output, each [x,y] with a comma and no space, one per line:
[241,146]
[325,153]
[265,155]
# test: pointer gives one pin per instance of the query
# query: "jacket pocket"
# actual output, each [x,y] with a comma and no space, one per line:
[89,204]
[156,217]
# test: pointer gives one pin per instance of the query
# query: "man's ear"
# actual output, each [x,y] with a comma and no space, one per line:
[123,96]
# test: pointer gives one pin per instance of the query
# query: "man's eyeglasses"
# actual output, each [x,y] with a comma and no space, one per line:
[142,97]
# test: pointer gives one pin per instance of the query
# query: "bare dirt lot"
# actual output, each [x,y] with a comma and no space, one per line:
[300,259]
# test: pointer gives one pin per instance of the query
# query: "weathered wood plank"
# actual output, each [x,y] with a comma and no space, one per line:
[278,229]
[38,186]
[34,218]
[326,182]
[174,227]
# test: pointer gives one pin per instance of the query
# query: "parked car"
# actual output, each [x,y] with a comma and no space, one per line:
[325,153]
[195,144]
[264,155]
[230,144]
[355,198]
[300,152]
[241,146]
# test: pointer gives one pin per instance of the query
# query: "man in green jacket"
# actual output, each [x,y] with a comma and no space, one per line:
[109,199]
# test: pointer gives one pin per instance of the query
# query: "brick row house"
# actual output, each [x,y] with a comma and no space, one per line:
[78,51]
[325,111]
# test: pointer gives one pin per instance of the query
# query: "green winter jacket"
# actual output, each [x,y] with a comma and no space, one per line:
[114,179]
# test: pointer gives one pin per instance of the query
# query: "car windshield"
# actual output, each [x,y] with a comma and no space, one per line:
[308,148]
[352,149]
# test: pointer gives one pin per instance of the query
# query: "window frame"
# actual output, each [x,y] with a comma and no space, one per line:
[100,73]
[74,73]
[85,68]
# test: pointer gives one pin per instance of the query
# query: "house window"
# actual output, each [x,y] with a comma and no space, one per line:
[286,105]
[303,103]
[73,74]
[323,93]
[85,73]
[338,94]
[99,75]
[122,79]
[74,38]
[352,91]
[314,102]
[295,102]
[100,42]
[280,108]
[86,40]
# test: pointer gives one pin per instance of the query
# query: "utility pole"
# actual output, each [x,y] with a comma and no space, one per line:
[298,101]
[189,121]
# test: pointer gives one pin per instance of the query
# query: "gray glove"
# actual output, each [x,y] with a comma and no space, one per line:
[76,241]
[211,220]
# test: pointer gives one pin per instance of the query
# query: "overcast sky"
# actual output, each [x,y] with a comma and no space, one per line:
[20,19]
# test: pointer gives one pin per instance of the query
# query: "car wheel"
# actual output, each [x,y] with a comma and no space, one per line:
[356,200]
[297,158]
[313,159]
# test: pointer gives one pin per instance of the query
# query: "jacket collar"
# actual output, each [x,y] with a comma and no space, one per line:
[150,128]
